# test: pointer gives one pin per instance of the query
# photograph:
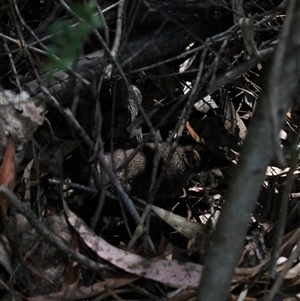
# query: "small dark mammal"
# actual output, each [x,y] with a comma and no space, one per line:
[182,163]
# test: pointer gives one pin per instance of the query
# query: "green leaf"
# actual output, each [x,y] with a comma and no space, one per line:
[70,35]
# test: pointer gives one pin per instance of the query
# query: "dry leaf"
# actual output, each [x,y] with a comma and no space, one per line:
[7,174]
[72,274]
[185,227]
[192,132]
[205,104]
[233,121]
[171,273]
[293,272]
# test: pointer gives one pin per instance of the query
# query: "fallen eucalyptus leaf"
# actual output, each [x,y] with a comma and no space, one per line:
[172,273]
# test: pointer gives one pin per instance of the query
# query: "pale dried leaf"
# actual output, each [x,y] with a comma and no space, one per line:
[187,63]
[185,227]
[171,273]
[26,180]
[293,272]
[232,121]
[242,127]
[205,104]
[275,171]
